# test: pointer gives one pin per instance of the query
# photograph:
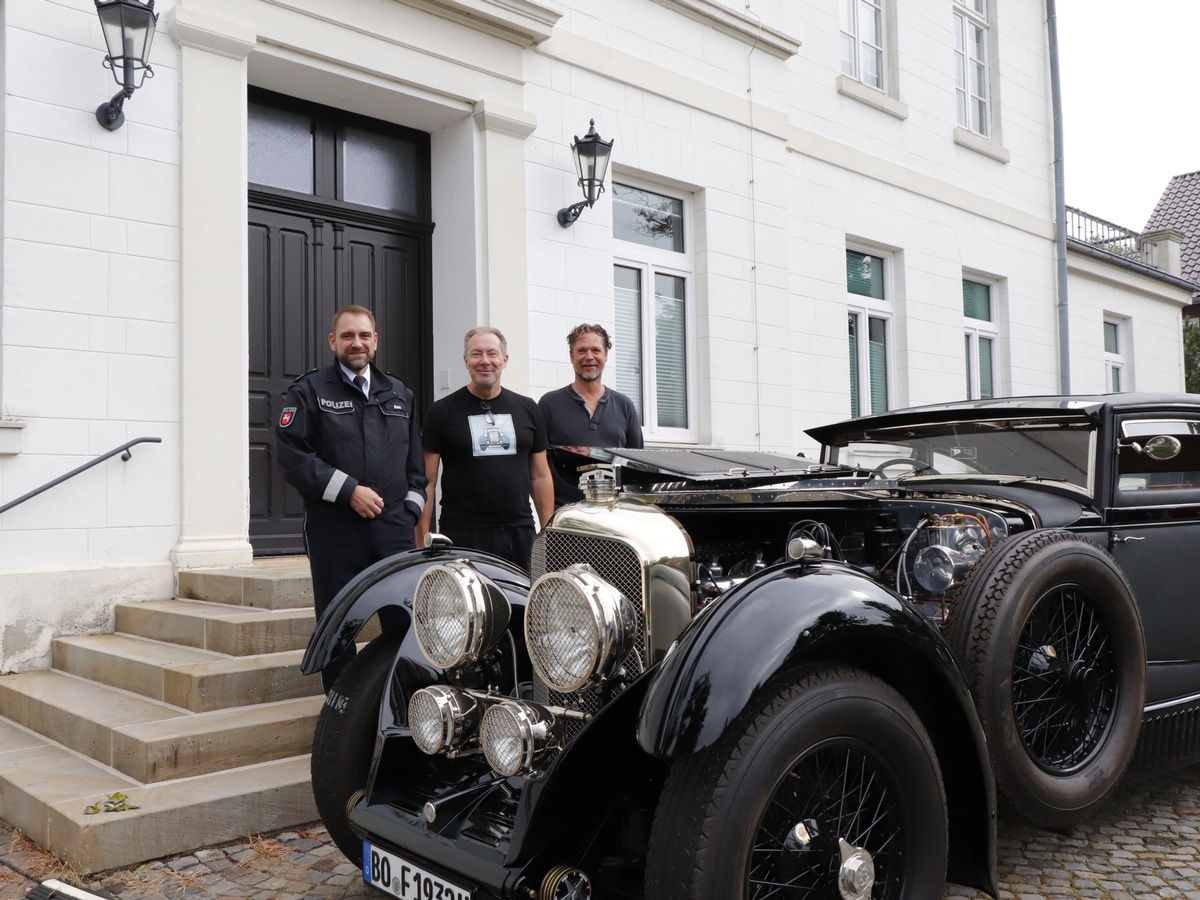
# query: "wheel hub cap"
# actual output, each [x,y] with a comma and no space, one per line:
[1082,679]
[856,876]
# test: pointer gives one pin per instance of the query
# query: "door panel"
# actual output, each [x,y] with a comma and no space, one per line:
[283,345]
[378,269]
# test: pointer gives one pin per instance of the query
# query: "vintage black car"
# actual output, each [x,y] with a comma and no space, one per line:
[745,675]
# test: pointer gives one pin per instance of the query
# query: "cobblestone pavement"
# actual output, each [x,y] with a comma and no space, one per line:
[1142,843]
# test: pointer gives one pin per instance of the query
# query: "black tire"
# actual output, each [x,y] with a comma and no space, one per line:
[344,740]
[835,751]
[1050,639]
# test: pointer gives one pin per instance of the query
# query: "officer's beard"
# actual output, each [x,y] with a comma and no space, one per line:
[356,364]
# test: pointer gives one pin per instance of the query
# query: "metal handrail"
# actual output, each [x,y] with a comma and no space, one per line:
[125,455]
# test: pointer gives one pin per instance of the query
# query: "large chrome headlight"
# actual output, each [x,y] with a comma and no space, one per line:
[579,628]
[512,733]
[441,718]
[953,544]
[458,613]
[938,568]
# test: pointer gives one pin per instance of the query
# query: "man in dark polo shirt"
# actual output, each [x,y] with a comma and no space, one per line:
[585,413]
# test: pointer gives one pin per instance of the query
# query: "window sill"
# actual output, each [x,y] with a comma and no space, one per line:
[980,144]
[10,436]
[856,90]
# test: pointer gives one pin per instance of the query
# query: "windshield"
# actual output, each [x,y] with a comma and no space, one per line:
[1051,449]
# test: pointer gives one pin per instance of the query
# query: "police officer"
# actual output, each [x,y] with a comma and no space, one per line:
[349,442]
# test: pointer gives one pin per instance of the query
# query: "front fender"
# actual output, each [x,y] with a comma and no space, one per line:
[795,615]
[388,585]
[780,620]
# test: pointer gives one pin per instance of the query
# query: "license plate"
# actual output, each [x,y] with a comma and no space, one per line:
[400,878]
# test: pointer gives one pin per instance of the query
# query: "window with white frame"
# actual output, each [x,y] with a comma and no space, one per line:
[979,318]
[971,66]
[861,23]
[652,281]
[1114,354]
[869,325]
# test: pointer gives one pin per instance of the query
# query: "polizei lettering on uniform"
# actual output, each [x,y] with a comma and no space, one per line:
[335,404]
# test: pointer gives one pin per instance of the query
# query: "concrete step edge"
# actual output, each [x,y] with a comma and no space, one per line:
[219,627]
[45,790]
[278,582]
[76,712]
[181,815]
[202,743]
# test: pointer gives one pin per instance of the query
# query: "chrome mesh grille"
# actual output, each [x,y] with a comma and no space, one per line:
[619,565]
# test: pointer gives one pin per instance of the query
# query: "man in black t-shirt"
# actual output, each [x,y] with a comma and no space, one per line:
[585,413]
[491,447]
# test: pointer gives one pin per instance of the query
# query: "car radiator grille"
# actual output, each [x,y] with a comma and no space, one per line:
[619,565]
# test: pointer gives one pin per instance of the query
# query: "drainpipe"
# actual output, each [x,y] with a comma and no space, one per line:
[1060,206]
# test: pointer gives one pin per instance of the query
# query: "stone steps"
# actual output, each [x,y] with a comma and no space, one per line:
[152,741]
[197,680]
[194,708]
[46,788]
[270,583]
[222,628]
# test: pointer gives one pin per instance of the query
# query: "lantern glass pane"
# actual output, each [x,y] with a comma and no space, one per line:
[128,28]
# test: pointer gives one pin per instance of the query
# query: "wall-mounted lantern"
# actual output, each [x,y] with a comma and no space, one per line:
[128,33]
[591,162]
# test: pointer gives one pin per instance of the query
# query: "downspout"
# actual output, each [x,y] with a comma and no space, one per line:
[1060,206]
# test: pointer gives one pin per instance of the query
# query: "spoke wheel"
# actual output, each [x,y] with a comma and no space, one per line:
[1051,642]
[1065,681]
[835,797]
[826,786]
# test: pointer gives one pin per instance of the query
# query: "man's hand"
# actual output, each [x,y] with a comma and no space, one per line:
[366,502]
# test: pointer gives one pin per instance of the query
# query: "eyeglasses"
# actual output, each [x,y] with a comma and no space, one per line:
[487,412]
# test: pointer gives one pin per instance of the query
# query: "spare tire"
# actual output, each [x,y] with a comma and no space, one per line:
[1050,639]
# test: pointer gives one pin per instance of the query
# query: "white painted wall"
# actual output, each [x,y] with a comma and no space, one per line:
[1152,312]
[90,319]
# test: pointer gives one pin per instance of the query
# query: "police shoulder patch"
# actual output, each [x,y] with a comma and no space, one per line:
[285,417]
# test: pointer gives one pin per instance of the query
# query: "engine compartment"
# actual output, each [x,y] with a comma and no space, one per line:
[920,548]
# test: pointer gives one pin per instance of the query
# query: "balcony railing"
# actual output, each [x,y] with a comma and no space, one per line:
[1103,235]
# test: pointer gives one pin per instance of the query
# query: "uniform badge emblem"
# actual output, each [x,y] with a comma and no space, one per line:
[285,418]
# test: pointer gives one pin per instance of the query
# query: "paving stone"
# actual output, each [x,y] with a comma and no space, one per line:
[1141,843]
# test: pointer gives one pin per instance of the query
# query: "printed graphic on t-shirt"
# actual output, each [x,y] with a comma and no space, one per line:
[493,434]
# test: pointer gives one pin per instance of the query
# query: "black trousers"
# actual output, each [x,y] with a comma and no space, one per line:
[512,542]
[342,545]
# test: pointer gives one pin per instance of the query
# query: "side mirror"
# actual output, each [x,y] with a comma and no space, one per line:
[1162,447]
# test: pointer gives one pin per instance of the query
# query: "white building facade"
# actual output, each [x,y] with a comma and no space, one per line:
[814,209]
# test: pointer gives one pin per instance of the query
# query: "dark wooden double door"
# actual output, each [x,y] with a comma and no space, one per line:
[304,265]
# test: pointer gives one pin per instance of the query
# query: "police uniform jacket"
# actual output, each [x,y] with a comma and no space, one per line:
[330,439]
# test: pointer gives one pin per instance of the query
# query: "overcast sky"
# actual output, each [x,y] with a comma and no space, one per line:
[1131,102]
